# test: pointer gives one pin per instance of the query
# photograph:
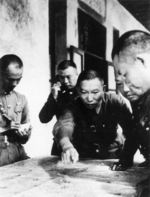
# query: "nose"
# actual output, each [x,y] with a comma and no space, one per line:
[65,80]
[126,88]
[89,98]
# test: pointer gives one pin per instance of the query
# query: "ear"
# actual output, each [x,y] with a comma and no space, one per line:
[144,58]
[104,88]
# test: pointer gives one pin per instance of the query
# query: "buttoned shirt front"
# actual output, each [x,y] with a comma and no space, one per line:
[16,108]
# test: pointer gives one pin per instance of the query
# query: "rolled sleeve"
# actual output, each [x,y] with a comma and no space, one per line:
[64,127]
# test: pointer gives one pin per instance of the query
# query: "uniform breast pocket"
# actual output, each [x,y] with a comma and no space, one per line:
[18,109]
[18,113]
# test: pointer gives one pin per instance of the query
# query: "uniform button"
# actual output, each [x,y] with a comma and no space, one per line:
[103,125]
[147,128]
[9,106]
[93,128]
[64,91]
[97,151]
[142,123]
[70,92]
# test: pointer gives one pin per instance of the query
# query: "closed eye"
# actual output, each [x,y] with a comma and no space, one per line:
[140,59]
[95,92]
[119,84]
[12,80]
[83,92]
[135,87]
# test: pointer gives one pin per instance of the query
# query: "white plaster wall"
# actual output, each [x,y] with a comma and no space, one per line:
[72,23]
[24,32]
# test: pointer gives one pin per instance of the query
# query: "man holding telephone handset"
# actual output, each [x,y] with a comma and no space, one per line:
[62,92]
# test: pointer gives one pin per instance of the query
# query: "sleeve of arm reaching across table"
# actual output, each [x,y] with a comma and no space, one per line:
[64,127]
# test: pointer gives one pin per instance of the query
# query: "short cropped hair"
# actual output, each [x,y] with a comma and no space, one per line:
[132,42]
[89,75]
[66,64]
[6,60]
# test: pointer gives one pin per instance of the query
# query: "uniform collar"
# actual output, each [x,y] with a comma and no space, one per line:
[63,89]
[98,108]
[144,101]
[141,109]
[3,92]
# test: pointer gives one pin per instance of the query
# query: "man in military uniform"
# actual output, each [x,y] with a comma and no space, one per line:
[63,91]
[15,128]
[88,126]
[131,58]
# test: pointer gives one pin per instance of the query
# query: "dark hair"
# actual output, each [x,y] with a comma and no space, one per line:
[132,42]
[65,64]
[6,60]
[89,75]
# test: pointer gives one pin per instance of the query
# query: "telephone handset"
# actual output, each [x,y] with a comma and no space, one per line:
[55,80]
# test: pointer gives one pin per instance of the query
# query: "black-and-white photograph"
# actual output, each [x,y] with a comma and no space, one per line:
[75,98]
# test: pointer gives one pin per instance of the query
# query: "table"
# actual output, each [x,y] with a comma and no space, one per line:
[49,177]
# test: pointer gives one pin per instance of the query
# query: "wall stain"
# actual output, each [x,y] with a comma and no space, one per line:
[18,11]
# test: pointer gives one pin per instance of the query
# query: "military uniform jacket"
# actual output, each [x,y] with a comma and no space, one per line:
[141,132]
[16,107]
[92,131]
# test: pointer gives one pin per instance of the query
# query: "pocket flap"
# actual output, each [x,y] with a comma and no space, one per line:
[18,108]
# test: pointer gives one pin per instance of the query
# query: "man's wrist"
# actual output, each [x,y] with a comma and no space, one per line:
[65,144]
[67,147]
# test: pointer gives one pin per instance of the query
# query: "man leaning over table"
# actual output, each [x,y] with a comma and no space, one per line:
[87,127]
[15,128]
[131,58]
